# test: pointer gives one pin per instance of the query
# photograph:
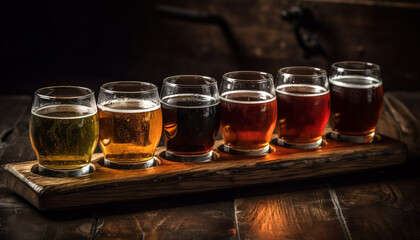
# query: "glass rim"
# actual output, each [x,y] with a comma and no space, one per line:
[373,66]
[89,93]
[212,82]
[104,89]
[268,76]
[316,71]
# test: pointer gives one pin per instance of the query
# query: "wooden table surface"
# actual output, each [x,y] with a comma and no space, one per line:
[375,204]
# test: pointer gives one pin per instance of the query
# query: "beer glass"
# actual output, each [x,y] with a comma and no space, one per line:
[64,129]
[130,121]
[191,117]
[248,112]
[356,101]
[303,106]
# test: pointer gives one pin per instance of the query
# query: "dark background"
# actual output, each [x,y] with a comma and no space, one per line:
[88,43]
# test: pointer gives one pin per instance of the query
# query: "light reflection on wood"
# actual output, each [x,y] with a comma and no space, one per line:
[288,215]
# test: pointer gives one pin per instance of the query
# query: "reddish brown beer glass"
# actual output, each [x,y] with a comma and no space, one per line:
[356,98]
[248,112]
[303,106]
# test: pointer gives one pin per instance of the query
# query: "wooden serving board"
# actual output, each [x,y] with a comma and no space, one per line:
[107,185]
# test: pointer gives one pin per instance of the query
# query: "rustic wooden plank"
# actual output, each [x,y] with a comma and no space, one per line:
[15,144]
[301,210]
[400,119]
[20,220]
[12,108]
[173,178]
[18,145]
[202,216]
[405,110]
[407,192]
[376,207]
[387,124]
[15,111]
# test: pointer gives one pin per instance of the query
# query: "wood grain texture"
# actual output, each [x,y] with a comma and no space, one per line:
[172,178]
[14,125]
[301,210]
[13,108]
[376,207]
[387,124]
[19,146]
[405,111]
[20,221]
[203,216]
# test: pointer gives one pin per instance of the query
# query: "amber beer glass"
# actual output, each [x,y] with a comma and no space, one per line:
[303,106]
[248,112]
[130,121]
[64,128]
[356,101]
[191,117]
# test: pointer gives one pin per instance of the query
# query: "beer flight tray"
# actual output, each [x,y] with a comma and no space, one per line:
[107,185]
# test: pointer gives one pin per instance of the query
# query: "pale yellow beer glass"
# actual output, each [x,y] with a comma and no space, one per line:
[64,128]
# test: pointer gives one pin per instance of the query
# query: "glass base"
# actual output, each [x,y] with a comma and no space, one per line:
[251,152]
[207,157]
[153,162]
[370,138]
[283,143]
[43,171]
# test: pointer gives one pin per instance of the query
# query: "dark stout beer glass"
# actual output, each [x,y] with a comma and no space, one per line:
[64,129]
[356,101]
[248,112]
[303,106]
[191,117]
[130,120]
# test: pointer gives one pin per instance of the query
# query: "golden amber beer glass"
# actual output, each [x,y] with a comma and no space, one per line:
[356,101]
[303,106]
[248,112]
[64,128]
[130,121]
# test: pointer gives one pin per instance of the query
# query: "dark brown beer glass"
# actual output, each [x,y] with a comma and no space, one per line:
[248,112]
[356,101]
[303,106]
[191,117]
